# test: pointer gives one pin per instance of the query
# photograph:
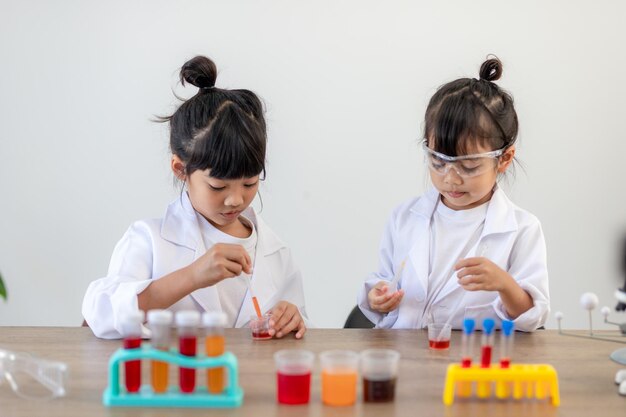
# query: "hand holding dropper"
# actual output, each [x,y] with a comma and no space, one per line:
[482,252]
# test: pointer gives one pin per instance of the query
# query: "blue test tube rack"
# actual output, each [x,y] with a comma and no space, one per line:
[115,395]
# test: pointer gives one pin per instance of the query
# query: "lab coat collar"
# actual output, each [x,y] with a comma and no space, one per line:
[500,218]
[500,214]
[180,226]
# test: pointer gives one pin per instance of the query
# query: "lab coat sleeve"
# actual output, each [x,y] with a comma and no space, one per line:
[528,266]
[114,296]
[384,273]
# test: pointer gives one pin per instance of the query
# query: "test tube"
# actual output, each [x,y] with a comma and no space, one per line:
[487,343]
[506,343]
[160,323]
[214,323]
[483,389]
[131,332]
[467,343]
[464,388]
[187,323]
[503,388]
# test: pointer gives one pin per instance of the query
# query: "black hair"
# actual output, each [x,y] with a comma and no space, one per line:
[218,129]
[468,109]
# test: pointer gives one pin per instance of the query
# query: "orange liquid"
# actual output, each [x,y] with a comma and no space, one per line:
[256,307]
[339,387]
[215,376]
[160,372]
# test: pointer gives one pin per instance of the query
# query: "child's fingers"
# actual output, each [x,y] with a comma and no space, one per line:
[291,325]
[301,330]
[382,299]
[392,303]
[473,270]
[277,313]
[280,316]
[464,263]
[283,321]
[238,254]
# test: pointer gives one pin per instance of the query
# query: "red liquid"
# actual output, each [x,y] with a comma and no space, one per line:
[261,334]
[187,347]
[485,359]
[132,369]
[379,391]
[466,362]
[293,389]
[442,344]
[505,362]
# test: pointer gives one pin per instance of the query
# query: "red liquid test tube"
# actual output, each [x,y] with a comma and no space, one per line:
[187,323]
[131,331]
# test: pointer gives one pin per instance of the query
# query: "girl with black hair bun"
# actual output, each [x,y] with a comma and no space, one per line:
[211,244]
[463,249]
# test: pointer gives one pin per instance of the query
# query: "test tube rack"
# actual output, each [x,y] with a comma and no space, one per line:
[518,381]
[116,396]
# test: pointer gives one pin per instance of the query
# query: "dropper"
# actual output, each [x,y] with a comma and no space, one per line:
[249,282]
[393,284]
[254,300]
[481,254]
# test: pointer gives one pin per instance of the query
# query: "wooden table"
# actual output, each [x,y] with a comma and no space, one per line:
[585,375]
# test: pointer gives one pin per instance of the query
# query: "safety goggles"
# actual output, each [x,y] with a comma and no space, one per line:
[32,378]
[466,166]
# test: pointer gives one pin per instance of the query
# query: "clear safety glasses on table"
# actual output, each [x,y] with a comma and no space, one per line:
[32,378]
[466,166]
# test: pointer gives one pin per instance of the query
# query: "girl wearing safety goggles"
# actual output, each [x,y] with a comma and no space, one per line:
[462,249]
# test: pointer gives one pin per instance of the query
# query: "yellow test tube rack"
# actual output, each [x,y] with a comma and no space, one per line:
[518,381]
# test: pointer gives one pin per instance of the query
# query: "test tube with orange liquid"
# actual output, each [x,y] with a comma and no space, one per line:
[214,323]
[339,377]
[160,323]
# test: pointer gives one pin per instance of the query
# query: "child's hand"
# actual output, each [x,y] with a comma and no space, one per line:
[480,274]
[223,260]
[381,300]
[285,319]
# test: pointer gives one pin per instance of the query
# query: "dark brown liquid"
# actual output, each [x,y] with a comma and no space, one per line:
[379,391]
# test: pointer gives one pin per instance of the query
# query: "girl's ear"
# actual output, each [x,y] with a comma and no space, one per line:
[178,168]
[506,159]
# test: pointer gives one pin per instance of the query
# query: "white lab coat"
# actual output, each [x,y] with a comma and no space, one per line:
[153,248]
[512,238]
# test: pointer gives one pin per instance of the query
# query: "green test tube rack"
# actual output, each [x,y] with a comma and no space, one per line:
[116,396]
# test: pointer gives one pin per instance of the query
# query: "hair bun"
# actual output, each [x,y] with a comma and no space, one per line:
[491,69]
[199,71]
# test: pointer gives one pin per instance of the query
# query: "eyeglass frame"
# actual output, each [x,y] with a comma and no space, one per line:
[450,160]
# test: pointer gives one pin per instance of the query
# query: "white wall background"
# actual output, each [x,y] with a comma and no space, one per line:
[345,83]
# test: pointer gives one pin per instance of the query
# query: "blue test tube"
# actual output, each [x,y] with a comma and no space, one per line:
[467,343]
[483,389]
[487,343]
[506,343]
[464,388]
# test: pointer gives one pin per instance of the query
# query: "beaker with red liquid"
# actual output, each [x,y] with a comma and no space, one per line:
[293,375]
[260,327]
